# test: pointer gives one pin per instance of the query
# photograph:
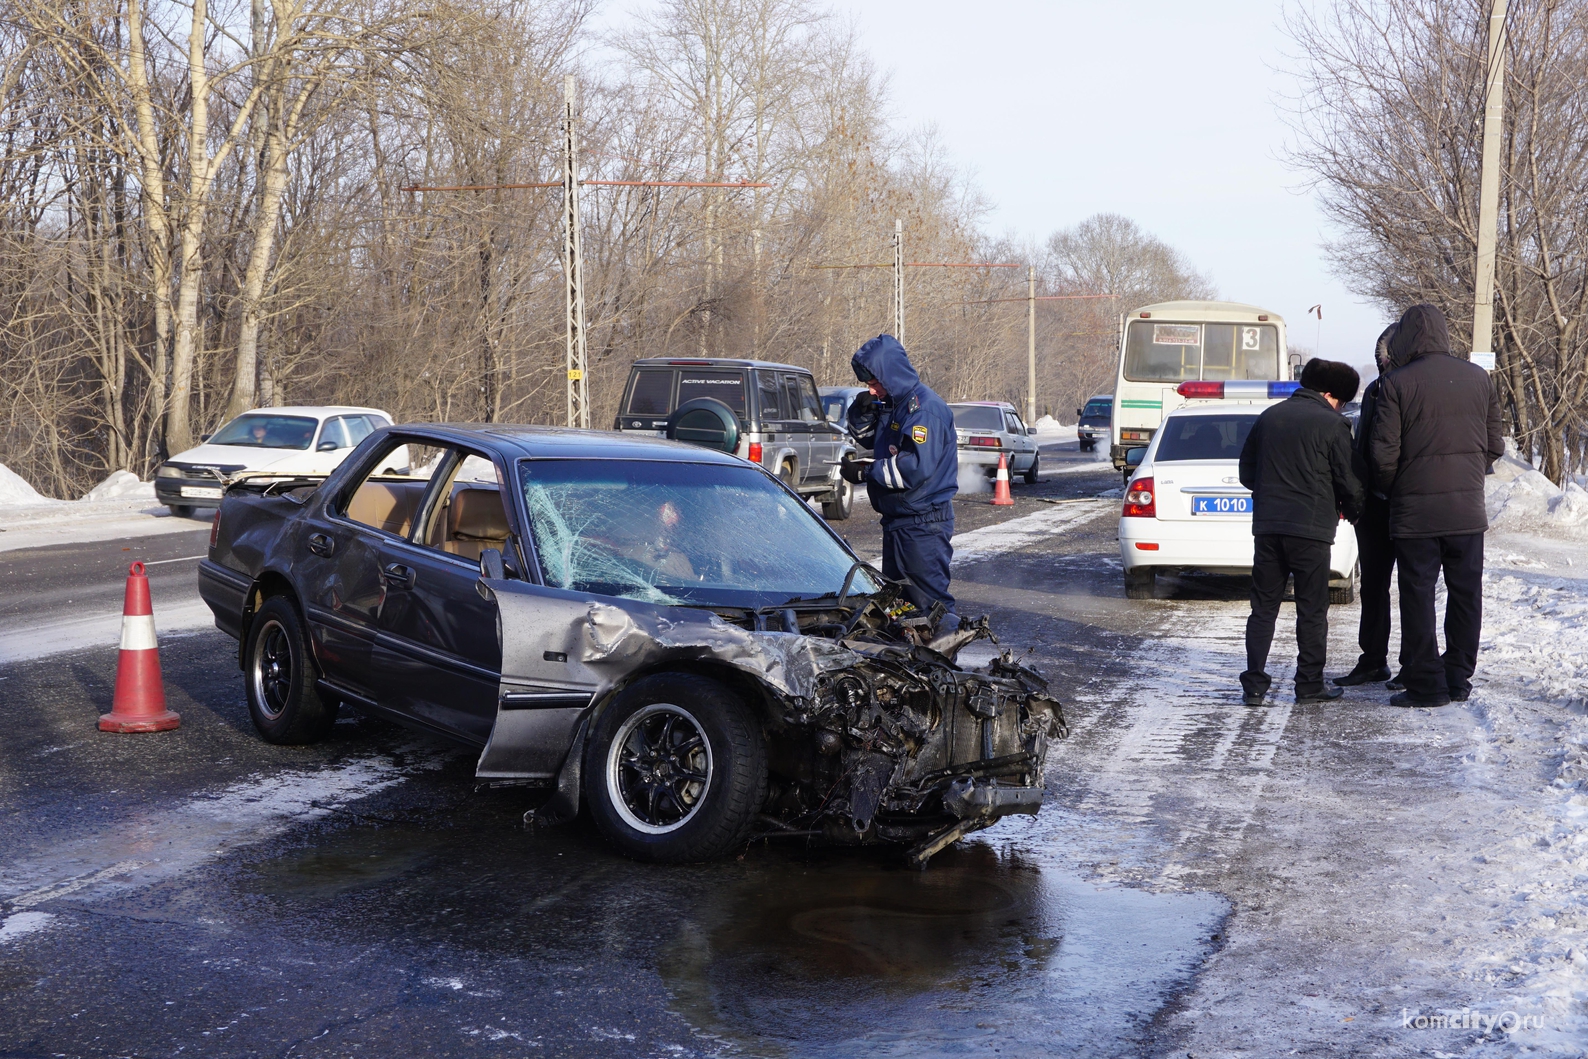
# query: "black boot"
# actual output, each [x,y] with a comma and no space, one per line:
[1324,694]
[1363,675]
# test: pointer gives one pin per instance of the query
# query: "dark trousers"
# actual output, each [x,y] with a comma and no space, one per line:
[917,547]
[1425,673]
[1376,553]
[1274,558]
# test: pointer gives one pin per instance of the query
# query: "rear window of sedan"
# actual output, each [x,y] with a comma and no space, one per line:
[1203,437]
[978,417]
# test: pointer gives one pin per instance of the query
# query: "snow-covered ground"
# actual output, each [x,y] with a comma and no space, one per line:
[120,506]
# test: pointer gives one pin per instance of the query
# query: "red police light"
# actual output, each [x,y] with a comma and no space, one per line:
[755,452]
[1200,389]
[1139,501]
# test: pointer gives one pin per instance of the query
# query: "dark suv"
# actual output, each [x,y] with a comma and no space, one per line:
[1094,420]
[781,422]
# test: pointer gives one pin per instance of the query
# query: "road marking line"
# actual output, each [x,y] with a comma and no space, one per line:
[72,885]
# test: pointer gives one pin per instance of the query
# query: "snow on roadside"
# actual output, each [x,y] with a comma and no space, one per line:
[1520,499]
[120,506]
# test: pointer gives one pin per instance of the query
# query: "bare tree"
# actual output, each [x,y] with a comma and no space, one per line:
[1390,126]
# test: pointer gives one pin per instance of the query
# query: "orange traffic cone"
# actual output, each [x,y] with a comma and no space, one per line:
[1001,495]
[139,703]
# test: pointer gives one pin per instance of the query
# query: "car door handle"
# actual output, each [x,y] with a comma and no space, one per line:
[321,544]
[398,575]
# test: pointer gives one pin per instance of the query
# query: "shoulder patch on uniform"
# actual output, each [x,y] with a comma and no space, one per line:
[918,435]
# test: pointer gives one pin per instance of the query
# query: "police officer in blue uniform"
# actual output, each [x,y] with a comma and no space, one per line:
[914,472]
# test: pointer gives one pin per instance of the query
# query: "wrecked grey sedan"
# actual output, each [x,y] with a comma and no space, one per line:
[659,633]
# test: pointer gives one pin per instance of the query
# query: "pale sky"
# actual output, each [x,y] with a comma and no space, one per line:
[1166,111]
[1163,111]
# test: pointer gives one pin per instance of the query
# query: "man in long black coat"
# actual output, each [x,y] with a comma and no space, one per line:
[1375,551]
[1297,463]
[1436,430]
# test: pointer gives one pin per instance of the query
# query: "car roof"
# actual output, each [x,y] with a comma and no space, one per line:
[980,404]
[835,391]
[1213,408]
[715,362]
[318,410]
[1100,397]
[542,442]
[1194,310]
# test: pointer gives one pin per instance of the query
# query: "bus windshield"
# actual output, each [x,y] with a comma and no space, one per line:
[1178,352]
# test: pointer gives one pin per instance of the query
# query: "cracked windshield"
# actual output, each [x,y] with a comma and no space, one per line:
[679,533]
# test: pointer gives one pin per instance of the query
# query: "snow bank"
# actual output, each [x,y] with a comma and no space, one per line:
[121,485]
[16,492]
[1047,426]
[1521,500]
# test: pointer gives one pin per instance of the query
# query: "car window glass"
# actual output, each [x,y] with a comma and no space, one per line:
[977,417]
[1212,437]
[468,515]
[1012,424]
[263,431]
[810,404]
[725,386]
[360,427]
[770,396]
[653,393]
[334,433]
[834,407]
[1240,351]
[387,497]
[1099,408]
[667,532]
[794,400]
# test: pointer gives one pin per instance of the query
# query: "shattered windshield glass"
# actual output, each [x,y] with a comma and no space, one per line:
[687,533]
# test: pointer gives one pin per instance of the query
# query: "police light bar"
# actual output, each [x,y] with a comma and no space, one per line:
[1251,390]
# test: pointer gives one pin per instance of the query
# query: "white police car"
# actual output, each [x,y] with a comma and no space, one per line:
[1185,507]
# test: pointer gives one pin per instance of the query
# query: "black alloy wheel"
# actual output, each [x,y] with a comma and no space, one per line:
[279,678]
[675,769]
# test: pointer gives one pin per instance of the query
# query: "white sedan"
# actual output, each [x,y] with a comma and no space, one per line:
[1185,507]
[309,440]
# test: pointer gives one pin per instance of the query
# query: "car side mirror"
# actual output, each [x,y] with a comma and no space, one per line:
[492,568]
[1031,430]
[327,446]
[1133,457]
[1077,412]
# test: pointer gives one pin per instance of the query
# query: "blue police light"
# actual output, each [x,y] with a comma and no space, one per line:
[1282,389]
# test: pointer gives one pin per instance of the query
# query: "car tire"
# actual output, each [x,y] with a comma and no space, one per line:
[180,510]
[1340,595]
[839,508]
[788,475]
[279,678]
[677,817]
[1141,583]
[1034,470]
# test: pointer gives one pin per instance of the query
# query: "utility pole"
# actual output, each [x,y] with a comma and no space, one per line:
[573,266]
[1489,193]
[898,280]
[1031,343]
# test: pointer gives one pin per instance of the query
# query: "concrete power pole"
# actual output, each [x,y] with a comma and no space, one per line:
[898,281]
[1031,344]
[573,266]
[1489,193]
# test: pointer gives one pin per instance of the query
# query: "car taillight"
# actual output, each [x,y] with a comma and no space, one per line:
[1139,500]
[215,528]
[986,443]
[755,452]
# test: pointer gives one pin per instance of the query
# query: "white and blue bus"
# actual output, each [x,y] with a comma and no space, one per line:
[1170,343]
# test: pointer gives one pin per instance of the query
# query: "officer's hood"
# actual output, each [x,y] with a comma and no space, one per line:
[884,358]
[1422,330]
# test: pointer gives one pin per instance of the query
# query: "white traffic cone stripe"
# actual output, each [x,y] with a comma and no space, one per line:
[137,632]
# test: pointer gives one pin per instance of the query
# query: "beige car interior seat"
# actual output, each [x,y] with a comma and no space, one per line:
[388,506]
[475,520]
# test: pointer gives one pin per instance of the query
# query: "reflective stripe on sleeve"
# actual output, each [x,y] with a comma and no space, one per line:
[137,633]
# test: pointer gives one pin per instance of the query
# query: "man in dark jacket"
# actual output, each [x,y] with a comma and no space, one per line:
[1297,463]
[1436,430]
[913,474]
[1375,550]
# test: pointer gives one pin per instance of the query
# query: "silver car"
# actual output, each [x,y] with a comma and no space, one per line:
[988,429]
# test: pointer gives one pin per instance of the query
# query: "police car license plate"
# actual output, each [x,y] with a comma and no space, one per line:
[1221,505]
[203,492]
